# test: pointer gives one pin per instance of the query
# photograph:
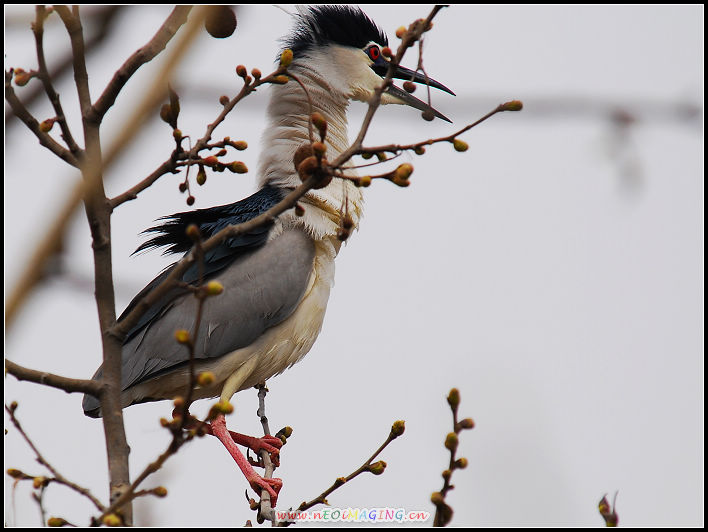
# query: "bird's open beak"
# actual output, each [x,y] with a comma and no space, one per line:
[406,98]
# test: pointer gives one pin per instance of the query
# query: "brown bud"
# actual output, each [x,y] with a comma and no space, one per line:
[514,105]
[193,232]
[461,463]
[363,181]
[183,187]
[307,167]
[428,115]
[437,498]
[319,148]
[386,52]
[404,171]
[398,428]
[40,481]
[299,210]
[47,125]
[377,468]
[166,113]
[467,423]
[224,100]
[160,491]
[256,73]
[15,473]
[22,78]
[419,150]
[240,145]
[220,21]
[241,71]
[302,153]
[56,521]
[409,87]
[401,31]
[320,122]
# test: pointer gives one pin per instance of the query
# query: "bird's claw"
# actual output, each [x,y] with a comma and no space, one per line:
[271,485]
[270,444]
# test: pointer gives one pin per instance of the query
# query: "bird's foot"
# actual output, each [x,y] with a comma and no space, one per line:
[271,485]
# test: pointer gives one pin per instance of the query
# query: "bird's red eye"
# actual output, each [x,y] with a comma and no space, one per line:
[374,52]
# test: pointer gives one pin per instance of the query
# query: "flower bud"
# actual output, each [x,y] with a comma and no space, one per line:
[299,210]
[56,521]
[461,463]
[112,520]
[214,288]
[205,378]
[238,167]
[286,58]
[15,473]
[38,482]
[201,176]
[453,398]
[182,336]
[377,468]
[183,187]
[281,79]
[190,200]
[240,145]
[47,125]
[419,150]
[451,441]
[256,74]
[437,498]
[409,87]
[319,148]
[467,423]
[386,52]
[514,105]
[401,31]
[241,71]
[224,100]
[220,21]
[21,77]
[460,145]
[363,181]
[403,172]
[428,115]
[320,122]
[160,491]
[398,428]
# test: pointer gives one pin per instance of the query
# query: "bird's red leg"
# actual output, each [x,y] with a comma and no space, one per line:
[257,482]
[271,444]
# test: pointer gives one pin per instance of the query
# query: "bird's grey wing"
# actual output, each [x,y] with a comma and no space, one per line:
[261,289]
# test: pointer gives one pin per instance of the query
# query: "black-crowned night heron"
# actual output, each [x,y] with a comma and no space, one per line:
[276,279]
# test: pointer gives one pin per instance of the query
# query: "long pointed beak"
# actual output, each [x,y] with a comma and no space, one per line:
[406,98]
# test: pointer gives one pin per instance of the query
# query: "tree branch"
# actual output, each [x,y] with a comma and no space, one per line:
[69,385]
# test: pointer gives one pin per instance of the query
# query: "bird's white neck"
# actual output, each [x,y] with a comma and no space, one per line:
[287,130]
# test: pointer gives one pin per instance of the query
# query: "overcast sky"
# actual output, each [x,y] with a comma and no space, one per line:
[553,273]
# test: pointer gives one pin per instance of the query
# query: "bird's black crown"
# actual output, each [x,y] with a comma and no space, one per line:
[332,24]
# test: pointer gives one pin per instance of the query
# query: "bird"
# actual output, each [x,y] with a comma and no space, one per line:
[276,278]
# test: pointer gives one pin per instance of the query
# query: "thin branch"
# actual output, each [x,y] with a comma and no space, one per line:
[376,468]
[67,384]
[141,56]
[43,75]
[57,476]
[32,124]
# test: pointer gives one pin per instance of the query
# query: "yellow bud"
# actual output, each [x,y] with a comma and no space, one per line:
[398,428]
[401,31]
[178,402]
[453,398]
[319,148]
[320,122]
[281,80]
[461,463]
[224,407]
[214,288]
[182,336]
[419,150]
[112,520]
[205,378]
[404,171]
[238,167]
[15,473]
[240,145]
[451,441]
[364,181]
[437,498]
[56,521]
[460,145]
[201,176]
[286,58]
[367,156]
[38,482]
[381,156]
[160,491]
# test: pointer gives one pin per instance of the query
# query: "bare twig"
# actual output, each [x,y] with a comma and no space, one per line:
[57,476]
[443,512]
[67,384]
[369,465]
